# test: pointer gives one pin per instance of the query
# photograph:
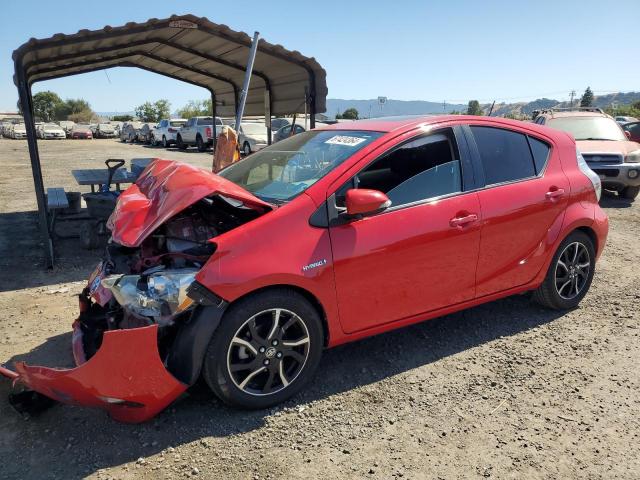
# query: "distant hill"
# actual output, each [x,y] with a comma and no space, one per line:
[422,107]
[526,108]
[392,107]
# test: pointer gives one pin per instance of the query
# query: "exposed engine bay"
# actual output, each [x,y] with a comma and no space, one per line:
[146,285]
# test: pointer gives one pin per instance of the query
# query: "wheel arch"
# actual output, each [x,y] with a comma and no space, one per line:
[306,294]
[589,232]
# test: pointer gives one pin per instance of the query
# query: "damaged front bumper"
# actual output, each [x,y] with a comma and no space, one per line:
[125,377]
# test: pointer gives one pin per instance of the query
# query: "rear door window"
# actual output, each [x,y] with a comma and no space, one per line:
[505,154]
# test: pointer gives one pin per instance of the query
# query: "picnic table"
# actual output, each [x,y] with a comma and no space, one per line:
[100,176]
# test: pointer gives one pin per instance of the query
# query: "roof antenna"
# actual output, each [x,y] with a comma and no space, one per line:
[105,72]
[491,110]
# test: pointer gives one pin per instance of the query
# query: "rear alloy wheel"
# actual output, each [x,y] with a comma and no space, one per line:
[246,149]
[200,144]
[630,193]
[570,273]
[266,349]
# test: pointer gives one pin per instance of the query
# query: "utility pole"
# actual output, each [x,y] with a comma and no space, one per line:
[572,94]
[444,106]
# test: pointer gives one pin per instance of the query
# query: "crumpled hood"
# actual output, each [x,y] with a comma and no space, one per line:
[164,189]
[607,146]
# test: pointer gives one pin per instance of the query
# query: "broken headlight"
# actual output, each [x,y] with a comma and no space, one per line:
[160,295]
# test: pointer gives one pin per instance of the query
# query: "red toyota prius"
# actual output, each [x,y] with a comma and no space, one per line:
[332,235]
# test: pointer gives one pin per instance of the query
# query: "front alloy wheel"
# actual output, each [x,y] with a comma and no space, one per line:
[265,350]
[268,352]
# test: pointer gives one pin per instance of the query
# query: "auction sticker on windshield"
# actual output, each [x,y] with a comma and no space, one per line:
[345,140]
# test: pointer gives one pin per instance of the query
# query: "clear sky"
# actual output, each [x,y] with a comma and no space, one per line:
[449,50]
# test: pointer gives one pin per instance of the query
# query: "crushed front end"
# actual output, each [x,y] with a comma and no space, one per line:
[144,323]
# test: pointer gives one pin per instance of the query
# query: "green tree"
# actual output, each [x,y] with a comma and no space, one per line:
[122,118]
[146,112]
[195,108]
[46,105]
[350,114]
[474,108]
[153,112]
[76,107]
[163,109]
[587,98]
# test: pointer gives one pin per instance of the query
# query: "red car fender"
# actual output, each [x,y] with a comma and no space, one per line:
[125,377]
[262,254]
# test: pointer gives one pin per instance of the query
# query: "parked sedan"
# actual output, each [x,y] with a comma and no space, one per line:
[336,234]
[18,131]
[286,132]
[129,131]
[105,130]
[81,131]
[51,131]
[252,137]
[145,133]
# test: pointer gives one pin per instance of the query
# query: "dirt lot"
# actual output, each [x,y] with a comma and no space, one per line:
[505,390]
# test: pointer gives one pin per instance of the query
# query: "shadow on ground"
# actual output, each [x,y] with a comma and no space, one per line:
[22,253]
[52,438]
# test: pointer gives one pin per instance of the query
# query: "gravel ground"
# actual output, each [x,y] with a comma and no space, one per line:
[504,390]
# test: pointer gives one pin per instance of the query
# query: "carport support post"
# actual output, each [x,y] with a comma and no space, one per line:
[213,114]
[247,79]
[26,103]
[267,114]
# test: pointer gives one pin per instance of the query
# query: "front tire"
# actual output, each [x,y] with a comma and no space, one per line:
[630,193]
[165,144]
[570,273]
[246,149]
[266,349]
[181,145]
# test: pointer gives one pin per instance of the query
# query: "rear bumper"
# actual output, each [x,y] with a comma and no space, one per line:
[126,376]
[601,227]
[618,175]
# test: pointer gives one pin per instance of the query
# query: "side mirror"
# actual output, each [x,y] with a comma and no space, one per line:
[627,134]
[362,201]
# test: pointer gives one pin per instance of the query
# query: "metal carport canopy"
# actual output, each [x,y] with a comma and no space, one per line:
[187,48]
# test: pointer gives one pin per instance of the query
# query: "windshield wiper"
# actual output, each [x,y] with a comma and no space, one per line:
[594,138]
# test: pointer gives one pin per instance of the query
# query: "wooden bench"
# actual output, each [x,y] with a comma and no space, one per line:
[56,201]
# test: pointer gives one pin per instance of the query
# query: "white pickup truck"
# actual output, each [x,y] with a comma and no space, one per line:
[198,131]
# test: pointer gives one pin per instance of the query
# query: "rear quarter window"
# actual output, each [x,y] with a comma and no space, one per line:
[540,151]
[505,154]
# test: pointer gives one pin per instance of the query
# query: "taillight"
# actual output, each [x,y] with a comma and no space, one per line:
[590,174]
[208,132]
[172,130]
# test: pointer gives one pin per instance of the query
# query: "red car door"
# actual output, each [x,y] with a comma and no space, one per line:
[421,253]
[523,205]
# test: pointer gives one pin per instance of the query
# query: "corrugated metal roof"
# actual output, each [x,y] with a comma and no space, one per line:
[187,48]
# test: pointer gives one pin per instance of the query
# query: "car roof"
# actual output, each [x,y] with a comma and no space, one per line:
[389,124]
[573,113]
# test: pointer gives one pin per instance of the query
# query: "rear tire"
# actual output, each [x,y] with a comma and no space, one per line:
[202,147]
[630,193]
[272,341]
[570,273]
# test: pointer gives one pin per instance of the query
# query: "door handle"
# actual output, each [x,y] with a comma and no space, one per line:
[462,221]
[554,193]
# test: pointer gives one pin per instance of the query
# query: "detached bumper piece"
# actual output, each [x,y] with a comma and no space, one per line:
[126,377]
